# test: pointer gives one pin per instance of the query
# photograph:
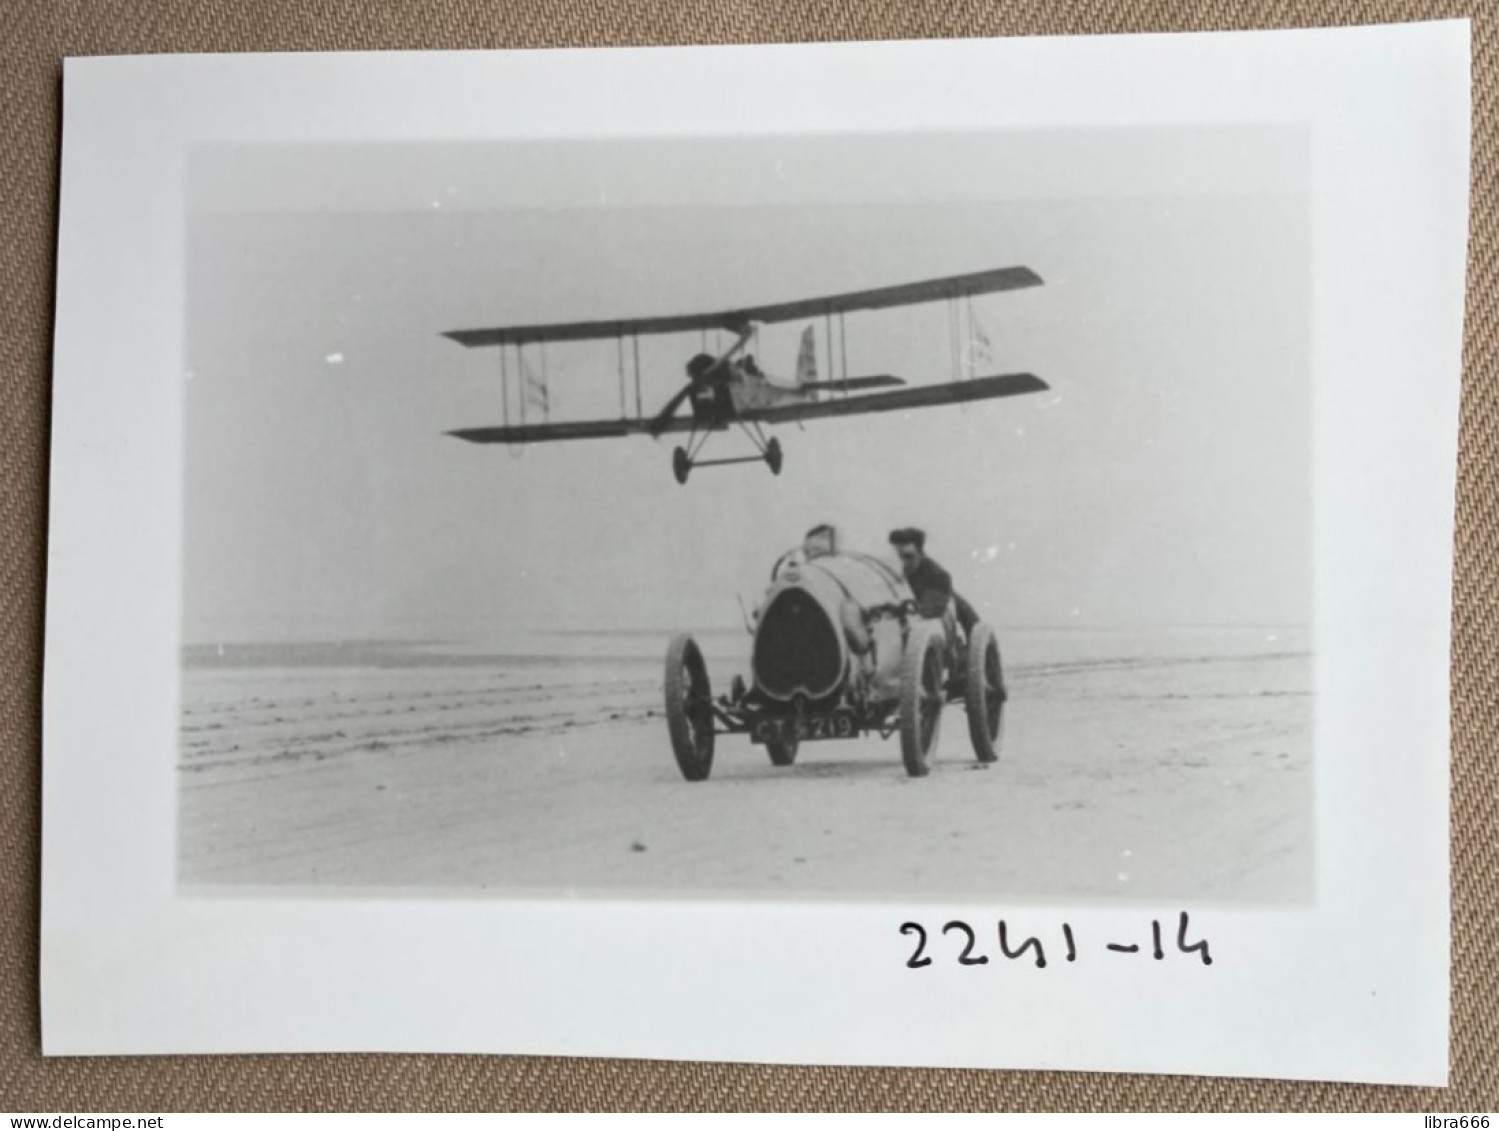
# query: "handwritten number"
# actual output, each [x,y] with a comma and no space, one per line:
[967,957]
[917,959]
[1187,948]
[1032,943]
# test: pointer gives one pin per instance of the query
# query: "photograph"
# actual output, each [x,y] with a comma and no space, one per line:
[923,553]
[860,516]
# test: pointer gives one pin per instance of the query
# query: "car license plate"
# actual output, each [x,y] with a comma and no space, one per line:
[812,728]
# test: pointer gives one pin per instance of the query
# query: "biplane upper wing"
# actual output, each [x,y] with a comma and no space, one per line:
[920,396]
[883,298]
[879,298]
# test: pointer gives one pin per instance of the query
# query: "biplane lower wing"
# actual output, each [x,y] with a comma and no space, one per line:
[921,396]
[566,430]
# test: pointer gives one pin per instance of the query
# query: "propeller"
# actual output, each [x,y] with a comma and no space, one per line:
[668,410]
[702,371]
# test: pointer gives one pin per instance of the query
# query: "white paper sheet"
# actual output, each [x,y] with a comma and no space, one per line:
[1341,977]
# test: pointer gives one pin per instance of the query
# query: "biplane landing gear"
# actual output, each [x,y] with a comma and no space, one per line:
[683,460]
[773,455]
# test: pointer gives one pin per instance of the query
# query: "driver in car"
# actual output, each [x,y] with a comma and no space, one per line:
[820,541]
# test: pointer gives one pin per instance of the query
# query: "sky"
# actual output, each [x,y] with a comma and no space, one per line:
[1163,480]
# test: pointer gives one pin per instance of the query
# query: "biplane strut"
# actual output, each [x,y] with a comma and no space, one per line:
[729,390]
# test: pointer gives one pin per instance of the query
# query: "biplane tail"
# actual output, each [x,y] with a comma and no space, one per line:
[806,359]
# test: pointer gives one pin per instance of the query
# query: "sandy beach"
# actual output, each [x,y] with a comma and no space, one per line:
[1164,765]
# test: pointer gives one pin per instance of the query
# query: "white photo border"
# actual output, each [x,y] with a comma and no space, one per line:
[1354,988]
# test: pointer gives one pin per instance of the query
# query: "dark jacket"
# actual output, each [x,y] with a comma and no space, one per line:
[931,585]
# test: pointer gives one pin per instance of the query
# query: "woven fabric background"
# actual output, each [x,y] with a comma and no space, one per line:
[37,34]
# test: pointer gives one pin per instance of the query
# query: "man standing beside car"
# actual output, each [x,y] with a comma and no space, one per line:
[931,585]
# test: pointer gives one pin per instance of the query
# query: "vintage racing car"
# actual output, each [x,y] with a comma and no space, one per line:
[839,652]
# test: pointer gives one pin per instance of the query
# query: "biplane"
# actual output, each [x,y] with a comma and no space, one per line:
[729,389]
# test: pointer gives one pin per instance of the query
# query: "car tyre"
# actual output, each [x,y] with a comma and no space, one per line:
[689,708]
[984,693]
[923,691]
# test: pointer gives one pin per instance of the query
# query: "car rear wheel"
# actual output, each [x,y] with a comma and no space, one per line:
[984,693]
[689,708]
[923,690]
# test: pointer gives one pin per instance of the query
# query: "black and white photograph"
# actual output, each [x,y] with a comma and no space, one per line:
[897,553]
[787,517]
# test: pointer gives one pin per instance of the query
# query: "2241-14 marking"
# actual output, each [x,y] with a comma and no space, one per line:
[966,951]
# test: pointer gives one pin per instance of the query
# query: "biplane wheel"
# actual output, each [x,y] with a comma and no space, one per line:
[773,455]
[689,708]
[681,464]
[923,691]
[984,693]
[783,750]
